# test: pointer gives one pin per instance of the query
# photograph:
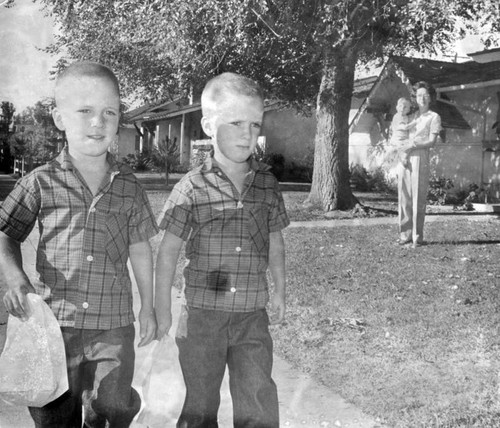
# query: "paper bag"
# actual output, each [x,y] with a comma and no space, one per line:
[162,385]
[33,362]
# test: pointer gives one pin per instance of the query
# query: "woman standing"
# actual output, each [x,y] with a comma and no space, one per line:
[413,179]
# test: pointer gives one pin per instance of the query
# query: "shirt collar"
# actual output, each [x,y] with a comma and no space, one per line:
[211,165]
[64,159]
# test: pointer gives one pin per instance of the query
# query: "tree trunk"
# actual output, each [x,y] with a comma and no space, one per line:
[330,183]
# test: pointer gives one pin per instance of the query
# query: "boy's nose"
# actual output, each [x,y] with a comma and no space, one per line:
[247,131]
[97,120]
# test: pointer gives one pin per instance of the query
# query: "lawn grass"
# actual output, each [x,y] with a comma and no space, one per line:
[411,336]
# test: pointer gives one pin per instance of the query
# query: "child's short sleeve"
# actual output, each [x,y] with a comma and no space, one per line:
[19,211]
[142,225]
[177,214]
[278,218]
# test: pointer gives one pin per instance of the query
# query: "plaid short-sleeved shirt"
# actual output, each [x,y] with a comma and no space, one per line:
[227,235]
[84,240]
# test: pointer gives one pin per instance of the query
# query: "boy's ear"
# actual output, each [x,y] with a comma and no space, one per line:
[58,119]
[207,126]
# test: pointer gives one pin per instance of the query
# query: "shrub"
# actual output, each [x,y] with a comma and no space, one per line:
[374,180]
[275,160]
[475,194]
[139,161]
[165,157]
[438,190]
[359,177]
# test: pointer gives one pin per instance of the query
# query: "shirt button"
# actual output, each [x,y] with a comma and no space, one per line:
[92,210]
[238,249]
[90,258]
[85,305]
[233,289]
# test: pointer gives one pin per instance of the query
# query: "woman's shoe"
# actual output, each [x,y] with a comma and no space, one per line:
[403,241]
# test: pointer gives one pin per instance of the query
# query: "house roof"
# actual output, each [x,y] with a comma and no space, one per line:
[156,111]
[362,87]
[442,74]
[486,55]
[172,109]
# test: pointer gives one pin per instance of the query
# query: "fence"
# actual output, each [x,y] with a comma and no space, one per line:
[22,167]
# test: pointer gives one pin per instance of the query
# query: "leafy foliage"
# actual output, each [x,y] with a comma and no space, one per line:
[163,48]
[301,51]
[165,156]
[438,190]
[36,137]
[8,110]
[139,161]
[370,181]
[275,160]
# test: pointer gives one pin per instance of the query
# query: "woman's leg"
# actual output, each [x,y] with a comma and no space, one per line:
[405,207]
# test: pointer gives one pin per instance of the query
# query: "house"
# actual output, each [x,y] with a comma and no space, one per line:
[468,103]
[284,131]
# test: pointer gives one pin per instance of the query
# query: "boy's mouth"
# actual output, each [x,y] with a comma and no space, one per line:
[96,137]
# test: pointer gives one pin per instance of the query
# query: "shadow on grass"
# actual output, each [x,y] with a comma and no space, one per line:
[382,210]
[464,213]
[465,242]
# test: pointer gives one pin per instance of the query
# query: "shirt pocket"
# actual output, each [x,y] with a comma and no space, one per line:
[117,242]
[258,227]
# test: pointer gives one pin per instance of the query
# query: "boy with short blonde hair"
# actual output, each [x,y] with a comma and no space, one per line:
[93,215]
[231,213]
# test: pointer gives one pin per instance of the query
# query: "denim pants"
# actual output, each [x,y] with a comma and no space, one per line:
[242,341]
[100,370]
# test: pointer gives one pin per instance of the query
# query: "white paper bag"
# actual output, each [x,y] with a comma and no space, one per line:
[33,362]
[160,380]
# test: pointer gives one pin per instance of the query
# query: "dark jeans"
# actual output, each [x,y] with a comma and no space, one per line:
[242,341]
[100,370]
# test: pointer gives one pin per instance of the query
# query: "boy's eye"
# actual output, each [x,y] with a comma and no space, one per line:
[83,110]
[256,125]
[236,123]
[111,113]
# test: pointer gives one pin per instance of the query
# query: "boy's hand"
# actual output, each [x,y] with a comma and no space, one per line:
[278,308]
[16,302]
[147,323]
[164,319]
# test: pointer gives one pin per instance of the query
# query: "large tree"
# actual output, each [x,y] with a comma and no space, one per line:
[36,138]
[6,116]
[302,51]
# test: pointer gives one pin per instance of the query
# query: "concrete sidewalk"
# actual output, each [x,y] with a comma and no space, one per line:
[303,402]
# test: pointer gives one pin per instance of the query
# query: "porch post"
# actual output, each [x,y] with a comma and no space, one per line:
[142,138]
[182,143]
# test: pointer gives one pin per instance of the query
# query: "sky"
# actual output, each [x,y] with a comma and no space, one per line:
[24,70]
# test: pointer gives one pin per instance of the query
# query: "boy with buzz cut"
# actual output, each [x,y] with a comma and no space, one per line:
[231,213]
[93,215]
